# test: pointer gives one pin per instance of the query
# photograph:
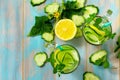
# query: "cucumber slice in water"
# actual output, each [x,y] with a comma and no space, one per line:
[92,37]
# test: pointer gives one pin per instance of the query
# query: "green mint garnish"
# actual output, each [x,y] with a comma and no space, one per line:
[109,12]
[42,24]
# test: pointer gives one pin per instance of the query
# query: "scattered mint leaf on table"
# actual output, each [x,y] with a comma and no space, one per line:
[118,47]
[112,35]
[109,12]
[118,55]
[106,64]
[42,24]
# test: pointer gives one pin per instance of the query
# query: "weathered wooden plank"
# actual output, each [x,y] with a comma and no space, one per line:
[10,40]
[33,45]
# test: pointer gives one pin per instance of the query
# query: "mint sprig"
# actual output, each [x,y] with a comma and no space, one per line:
[109,12]
[42,24]
[118,47]
[91,18]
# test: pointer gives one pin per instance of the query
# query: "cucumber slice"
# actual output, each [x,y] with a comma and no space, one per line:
[90,9]
[90,76]
[51,8]
[37,2]
[78,20]
[92,38]
[74,4]
[99,58]
[97,55]
[80,4]
[40,58]
[48,36]
[63,54]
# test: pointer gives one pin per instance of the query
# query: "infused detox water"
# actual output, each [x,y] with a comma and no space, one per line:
[97,31]
[65,59]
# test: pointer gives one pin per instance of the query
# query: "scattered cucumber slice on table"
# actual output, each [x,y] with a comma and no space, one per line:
[51,8]
[40,58]
[37,2]
[90,76]
[48,36]
[89,10]
[78,20]
[99,58]
[80,3]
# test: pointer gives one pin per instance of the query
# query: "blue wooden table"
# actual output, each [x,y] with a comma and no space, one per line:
[17,50]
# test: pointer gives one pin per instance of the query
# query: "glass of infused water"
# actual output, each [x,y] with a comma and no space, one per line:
[98,31]
[65,59]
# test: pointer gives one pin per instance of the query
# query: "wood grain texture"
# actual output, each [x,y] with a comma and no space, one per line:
[17,50]
[10,40]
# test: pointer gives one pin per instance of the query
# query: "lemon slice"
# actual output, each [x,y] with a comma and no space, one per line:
[65,29]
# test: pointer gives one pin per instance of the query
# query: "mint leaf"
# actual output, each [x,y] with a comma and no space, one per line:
[34,31]
[51,59]
[112,35]
[118,45]
[70,4]
[42,24]
[118,40]
[88,20]
[99,61]
[106,64]
[58,68]
[118,55]
[109,12]
[98,21]
[116,49]
[109,34]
